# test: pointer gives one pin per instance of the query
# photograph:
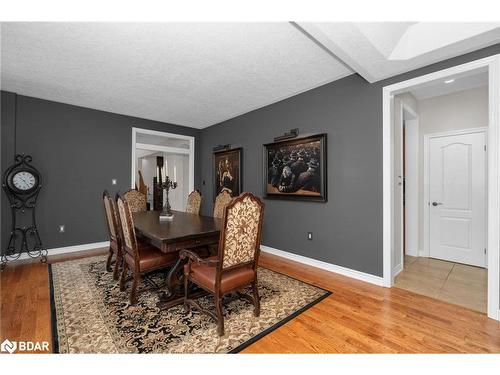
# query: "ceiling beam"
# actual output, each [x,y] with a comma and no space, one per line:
[315,34]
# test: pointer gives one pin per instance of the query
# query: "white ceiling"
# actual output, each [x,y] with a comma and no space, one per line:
[460,83]
[199,74]
[145,153]
[193,74]
[378,50]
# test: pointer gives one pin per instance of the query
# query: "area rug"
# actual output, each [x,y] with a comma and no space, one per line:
[91,315]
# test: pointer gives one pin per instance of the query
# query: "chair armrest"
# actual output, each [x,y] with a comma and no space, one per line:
[193,257]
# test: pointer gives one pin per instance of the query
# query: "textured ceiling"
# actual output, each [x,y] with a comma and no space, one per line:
[192,74]
[199,74]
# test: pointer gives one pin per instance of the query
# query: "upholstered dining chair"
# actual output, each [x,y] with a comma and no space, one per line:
[139,257]
[115,247]
[235,265]
[136,200]
[194,202]
[221,201]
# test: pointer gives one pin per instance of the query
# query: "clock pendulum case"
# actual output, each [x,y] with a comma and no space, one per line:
[22,183]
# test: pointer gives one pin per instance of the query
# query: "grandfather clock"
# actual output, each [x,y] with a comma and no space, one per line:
[22,183]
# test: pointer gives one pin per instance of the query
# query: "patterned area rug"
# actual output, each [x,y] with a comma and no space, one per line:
[91,315]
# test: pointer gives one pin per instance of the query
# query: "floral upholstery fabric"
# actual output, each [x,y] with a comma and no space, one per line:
[127,225]
[222,200]
[136,200]
[109,217]
[241,232]
[193,203]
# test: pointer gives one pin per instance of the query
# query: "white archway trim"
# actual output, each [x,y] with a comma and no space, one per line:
[492,65]
[189,151]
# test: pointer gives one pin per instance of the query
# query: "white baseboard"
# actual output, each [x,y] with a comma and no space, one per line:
[372,279]
[397,270]
[70,249]
[423,253]
[413,253]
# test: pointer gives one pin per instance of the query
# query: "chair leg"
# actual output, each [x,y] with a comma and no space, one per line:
[124,276]
[220,315]
[118,263]
[110,257]
[135,284]
[187,306]
[256,299]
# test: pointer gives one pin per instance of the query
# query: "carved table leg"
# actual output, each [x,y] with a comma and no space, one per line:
[174,295]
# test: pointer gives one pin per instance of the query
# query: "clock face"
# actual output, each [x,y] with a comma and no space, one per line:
[24,180]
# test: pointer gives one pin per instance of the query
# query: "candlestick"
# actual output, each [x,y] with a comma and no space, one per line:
[167,214]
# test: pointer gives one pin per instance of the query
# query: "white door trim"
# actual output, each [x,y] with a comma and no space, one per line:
[190,152]
[492,64]
[412,189]
[425,206]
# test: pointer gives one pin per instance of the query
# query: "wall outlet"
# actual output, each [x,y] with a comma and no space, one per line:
[310,236]
[113,181]
[62,228]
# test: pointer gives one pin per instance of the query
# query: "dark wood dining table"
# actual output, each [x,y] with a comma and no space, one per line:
[184,231]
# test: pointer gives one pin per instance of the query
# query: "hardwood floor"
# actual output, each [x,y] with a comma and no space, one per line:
[357,318]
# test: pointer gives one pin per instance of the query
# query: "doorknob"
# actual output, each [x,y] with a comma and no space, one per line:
[436,204]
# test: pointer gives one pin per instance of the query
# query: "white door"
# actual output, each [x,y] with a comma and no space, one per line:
[457,166]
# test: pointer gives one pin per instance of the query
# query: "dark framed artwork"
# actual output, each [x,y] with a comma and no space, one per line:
[296,169]
[227,171]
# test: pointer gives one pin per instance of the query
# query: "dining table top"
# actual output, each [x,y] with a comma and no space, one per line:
[183,226]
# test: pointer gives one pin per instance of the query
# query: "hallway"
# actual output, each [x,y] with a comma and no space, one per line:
[455,283]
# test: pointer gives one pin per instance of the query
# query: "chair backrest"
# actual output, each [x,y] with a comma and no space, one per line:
[111,218]
[194,202]
[240,235]
[136,200]
[129,241]
[222,200]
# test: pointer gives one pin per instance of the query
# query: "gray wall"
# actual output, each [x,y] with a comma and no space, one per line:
[78,151]
[347,230]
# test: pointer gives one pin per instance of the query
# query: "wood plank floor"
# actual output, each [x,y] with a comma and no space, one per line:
[357,318]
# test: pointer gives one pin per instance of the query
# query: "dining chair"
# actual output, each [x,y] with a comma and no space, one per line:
[113,233]
[235,265]
[138,256]
[136,200]
[221,202]
[194,202]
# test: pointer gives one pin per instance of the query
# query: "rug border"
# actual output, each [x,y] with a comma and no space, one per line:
[53,313]
[239,348]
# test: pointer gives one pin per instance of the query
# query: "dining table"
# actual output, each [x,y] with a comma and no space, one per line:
[182,231]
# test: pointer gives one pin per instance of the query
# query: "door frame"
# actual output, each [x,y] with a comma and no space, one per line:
[492,65]
[412,200]
[398,268]
[426,208]
[190,152]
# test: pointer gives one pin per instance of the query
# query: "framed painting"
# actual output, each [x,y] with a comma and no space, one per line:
[227,166]
[296,169]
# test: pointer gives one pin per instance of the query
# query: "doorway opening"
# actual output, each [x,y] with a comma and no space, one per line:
[441,204]
[156,155]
